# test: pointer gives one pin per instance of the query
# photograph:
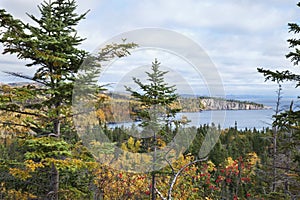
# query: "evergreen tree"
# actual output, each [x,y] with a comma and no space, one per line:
[52,47]
[50,43]
[287,123]
[157,102]
[156,111]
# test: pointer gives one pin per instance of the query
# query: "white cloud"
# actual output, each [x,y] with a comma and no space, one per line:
[238,35]
[229,15]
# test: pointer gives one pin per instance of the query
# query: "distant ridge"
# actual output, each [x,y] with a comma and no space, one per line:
[189,103]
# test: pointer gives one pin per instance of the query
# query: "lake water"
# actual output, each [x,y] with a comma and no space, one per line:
[243,118]
[249,119]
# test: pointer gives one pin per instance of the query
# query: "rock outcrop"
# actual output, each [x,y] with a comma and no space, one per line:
[222,104]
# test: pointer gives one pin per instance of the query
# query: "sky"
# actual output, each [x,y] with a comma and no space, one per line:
[234,37]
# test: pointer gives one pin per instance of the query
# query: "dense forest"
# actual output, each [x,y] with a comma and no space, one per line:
[53,150]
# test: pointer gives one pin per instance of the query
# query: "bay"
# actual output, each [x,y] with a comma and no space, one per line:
[243,119]
[250,119]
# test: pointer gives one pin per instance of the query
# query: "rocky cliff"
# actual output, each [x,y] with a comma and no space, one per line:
[222,104]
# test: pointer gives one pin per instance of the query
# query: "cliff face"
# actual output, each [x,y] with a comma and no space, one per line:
[221,104]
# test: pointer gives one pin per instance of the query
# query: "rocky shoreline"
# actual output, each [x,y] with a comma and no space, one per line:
[223,104]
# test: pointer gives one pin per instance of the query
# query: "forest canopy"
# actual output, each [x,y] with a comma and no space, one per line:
[44,157]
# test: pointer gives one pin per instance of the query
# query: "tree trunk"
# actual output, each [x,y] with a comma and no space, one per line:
[54,172]
[56,125]
[153,172]
[288,162]
[153,187]
[275,132]
[274,159]
[54,185]
[56,121]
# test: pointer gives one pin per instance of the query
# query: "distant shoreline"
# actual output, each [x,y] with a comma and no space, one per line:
[189,103]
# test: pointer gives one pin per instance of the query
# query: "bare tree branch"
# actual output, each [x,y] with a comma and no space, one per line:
[159,193]
[178,174]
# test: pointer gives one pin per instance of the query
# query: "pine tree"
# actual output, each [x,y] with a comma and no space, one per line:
[50,43]
[287,123]
[157,99]
[52,46]
[156,110]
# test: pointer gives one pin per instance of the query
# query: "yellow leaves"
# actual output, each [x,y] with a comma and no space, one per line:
[15,194]
[32,166]
[138,144]
[124,147]
[101,101]
[210,166]
[12,118]
[131,145]
[253,159]
[66,164]
[182,161]
[92,165]
[70,164]
[229,162]
[103,97]
[56,76]
[161,143]
[130,142]
[143,107]
[121,185]
[224,131]
[87,120]
[20,173]
[23,174]
[101,115]
[95,143]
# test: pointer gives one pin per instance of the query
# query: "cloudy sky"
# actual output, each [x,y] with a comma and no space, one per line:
[236,36]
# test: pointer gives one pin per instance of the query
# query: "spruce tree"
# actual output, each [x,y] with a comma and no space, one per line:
[50,44]
[287,123]
[156,96]
[157,110]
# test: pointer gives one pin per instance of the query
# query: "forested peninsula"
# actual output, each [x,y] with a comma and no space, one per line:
[195,104]
[121,107]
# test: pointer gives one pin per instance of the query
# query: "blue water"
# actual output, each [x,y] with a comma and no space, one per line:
[256,118]
[249,119]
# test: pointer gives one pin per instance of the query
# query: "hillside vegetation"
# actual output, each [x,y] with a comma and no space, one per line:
[122,108]
[51,149]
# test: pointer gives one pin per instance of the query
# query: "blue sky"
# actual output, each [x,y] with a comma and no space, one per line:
[237,35]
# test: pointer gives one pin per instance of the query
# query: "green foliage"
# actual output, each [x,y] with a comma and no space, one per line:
[51,44]
[41,157]
[286,127]
[46,147]
[156,112]
[155,93]
[41,110]
[27,170]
